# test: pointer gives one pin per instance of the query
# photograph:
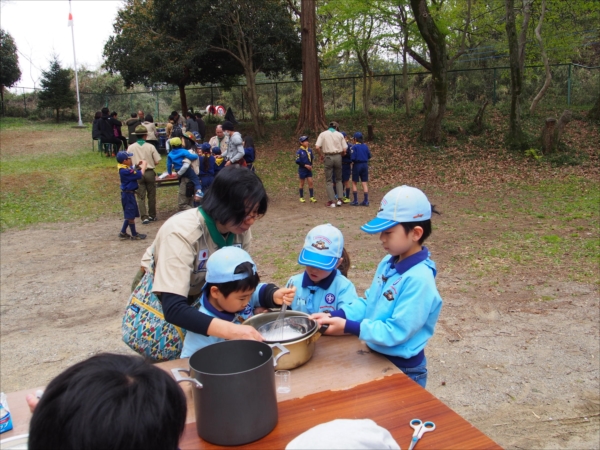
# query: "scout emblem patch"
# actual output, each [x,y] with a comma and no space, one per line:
[202,258]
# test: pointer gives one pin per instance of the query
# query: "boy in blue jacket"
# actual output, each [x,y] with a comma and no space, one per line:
[321,288]
[219,160]
[175,160]
[401,308]
[360,170]
[129,183]
[232,292]
[304,159]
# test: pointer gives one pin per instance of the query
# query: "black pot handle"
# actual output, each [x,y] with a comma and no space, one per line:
[323,328]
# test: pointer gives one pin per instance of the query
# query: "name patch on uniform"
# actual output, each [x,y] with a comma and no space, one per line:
[329,298]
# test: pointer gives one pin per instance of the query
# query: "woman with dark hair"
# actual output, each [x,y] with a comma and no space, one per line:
[152,133]
[109,401]
[236,199]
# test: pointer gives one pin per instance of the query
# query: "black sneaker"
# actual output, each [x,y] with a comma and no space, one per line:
[152,219]
[124,236]
[138,237]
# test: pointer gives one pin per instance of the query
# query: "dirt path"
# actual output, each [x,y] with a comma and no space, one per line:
[522,370]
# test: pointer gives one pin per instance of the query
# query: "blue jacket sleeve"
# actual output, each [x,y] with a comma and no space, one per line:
[169,164]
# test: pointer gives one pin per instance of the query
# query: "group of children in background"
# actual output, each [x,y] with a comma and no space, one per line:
[355,165]
[395,317]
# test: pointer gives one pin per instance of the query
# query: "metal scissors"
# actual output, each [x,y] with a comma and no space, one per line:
[420,428]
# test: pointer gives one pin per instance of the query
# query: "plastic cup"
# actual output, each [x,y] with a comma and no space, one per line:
[283,379]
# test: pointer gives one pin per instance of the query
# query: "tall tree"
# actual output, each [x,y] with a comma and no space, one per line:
[538,35]
[56,88]
[165,41]
[312,109]
[516,49]
[260,37]
[9,63]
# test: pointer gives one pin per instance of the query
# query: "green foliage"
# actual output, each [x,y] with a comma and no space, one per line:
[533,153]
[9,61]
[56,88]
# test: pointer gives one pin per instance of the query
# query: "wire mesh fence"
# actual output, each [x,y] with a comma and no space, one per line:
[572,84]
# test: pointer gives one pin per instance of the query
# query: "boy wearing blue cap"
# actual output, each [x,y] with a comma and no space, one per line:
[398,314]
[360,170]
[304,159]
[321,288]
[219,160]
[207,166]
[129,184]
[231,293]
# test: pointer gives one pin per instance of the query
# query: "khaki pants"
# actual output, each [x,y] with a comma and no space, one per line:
[147,185]
[333,165]
[184,202]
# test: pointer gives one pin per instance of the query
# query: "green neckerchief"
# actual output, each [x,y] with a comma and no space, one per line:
[214,232]
[333,130]
[140,141]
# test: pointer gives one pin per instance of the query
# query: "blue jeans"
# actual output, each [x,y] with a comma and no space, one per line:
[417,374]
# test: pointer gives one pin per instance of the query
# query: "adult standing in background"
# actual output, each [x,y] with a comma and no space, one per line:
[117,129]
[107,132]
[201,126]
[190,122]
[141,116]
[143,151]
[220,140]
[132,123]
[177,119]
[235,145]
[330,145]
[152,137]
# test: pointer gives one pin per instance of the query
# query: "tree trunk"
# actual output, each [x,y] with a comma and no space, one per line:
[594,113]
[2,99]
[57,115]
[183,99]
[312,111]
[478,121]
[366,93]
[546,85]
[548,135]
[252,97]
[436,43]
[516,138]
[565,118]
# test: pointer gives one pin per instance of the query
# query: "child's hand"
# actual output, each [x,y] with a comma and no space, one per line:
[284,295]
[336,325]
[308,166]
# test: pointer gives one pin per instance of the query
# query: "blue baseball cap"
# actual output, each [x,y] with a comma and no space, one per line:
[221,265]
[205,147]
[216,150]
[401,204]
[358,135]
[122,156]
[303,138]
[343,133]
[322,247]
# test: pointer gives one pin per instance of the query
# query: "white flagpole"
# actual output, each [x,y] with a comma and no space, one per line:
[75,61]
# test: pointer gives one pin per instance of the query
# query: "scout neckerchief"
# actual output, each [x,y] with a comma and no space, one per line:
[308,154]
[141,142]
[214,232]
[123,166]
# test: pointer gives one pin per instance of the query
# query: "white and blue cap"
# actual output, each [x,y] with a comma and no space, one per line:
[221,265]
[400,205]
[322,247]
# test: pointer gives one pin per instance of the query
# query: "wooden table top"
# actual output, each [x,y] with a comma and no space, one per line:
[342,380]
[391,402]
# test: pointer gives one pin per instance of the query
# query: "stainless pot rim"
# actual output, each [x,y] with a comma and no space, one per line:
[289,313]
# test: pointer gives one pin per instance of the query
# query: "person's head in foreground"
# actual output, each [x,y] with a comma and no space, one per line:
[109,402]
[404,221]
[231,279]
[323,252]
[235,199]
[303,141]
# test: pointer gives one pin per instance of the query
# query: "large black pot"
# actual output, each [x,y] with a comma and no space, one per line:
[234,399]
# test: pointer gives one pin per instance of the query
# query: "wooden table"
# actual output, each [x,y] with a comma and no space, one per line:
[343,380]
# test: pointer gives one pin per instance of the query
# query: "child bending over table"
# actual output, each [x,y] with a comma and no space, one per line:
[399,312]
[232,292]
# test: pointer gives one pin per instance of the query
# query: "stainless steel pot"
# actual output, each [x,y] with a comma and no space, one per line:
[301,349]
[235,399]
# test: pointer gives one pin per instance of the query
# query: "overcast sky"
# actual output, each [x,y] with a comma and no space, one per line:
[39,29]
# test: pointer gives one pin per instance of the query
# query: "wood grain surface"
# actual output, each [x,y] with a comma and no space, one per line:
[391,402]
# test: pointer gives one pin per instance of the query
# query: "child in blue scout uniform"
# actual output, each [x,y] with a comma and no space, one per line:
[304,159]
[231,293]
[399,312]
[249,152]
[360,170]
[219,160]
[129,184]
[175,161]
[346,170]
[207,166]
[321,287]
